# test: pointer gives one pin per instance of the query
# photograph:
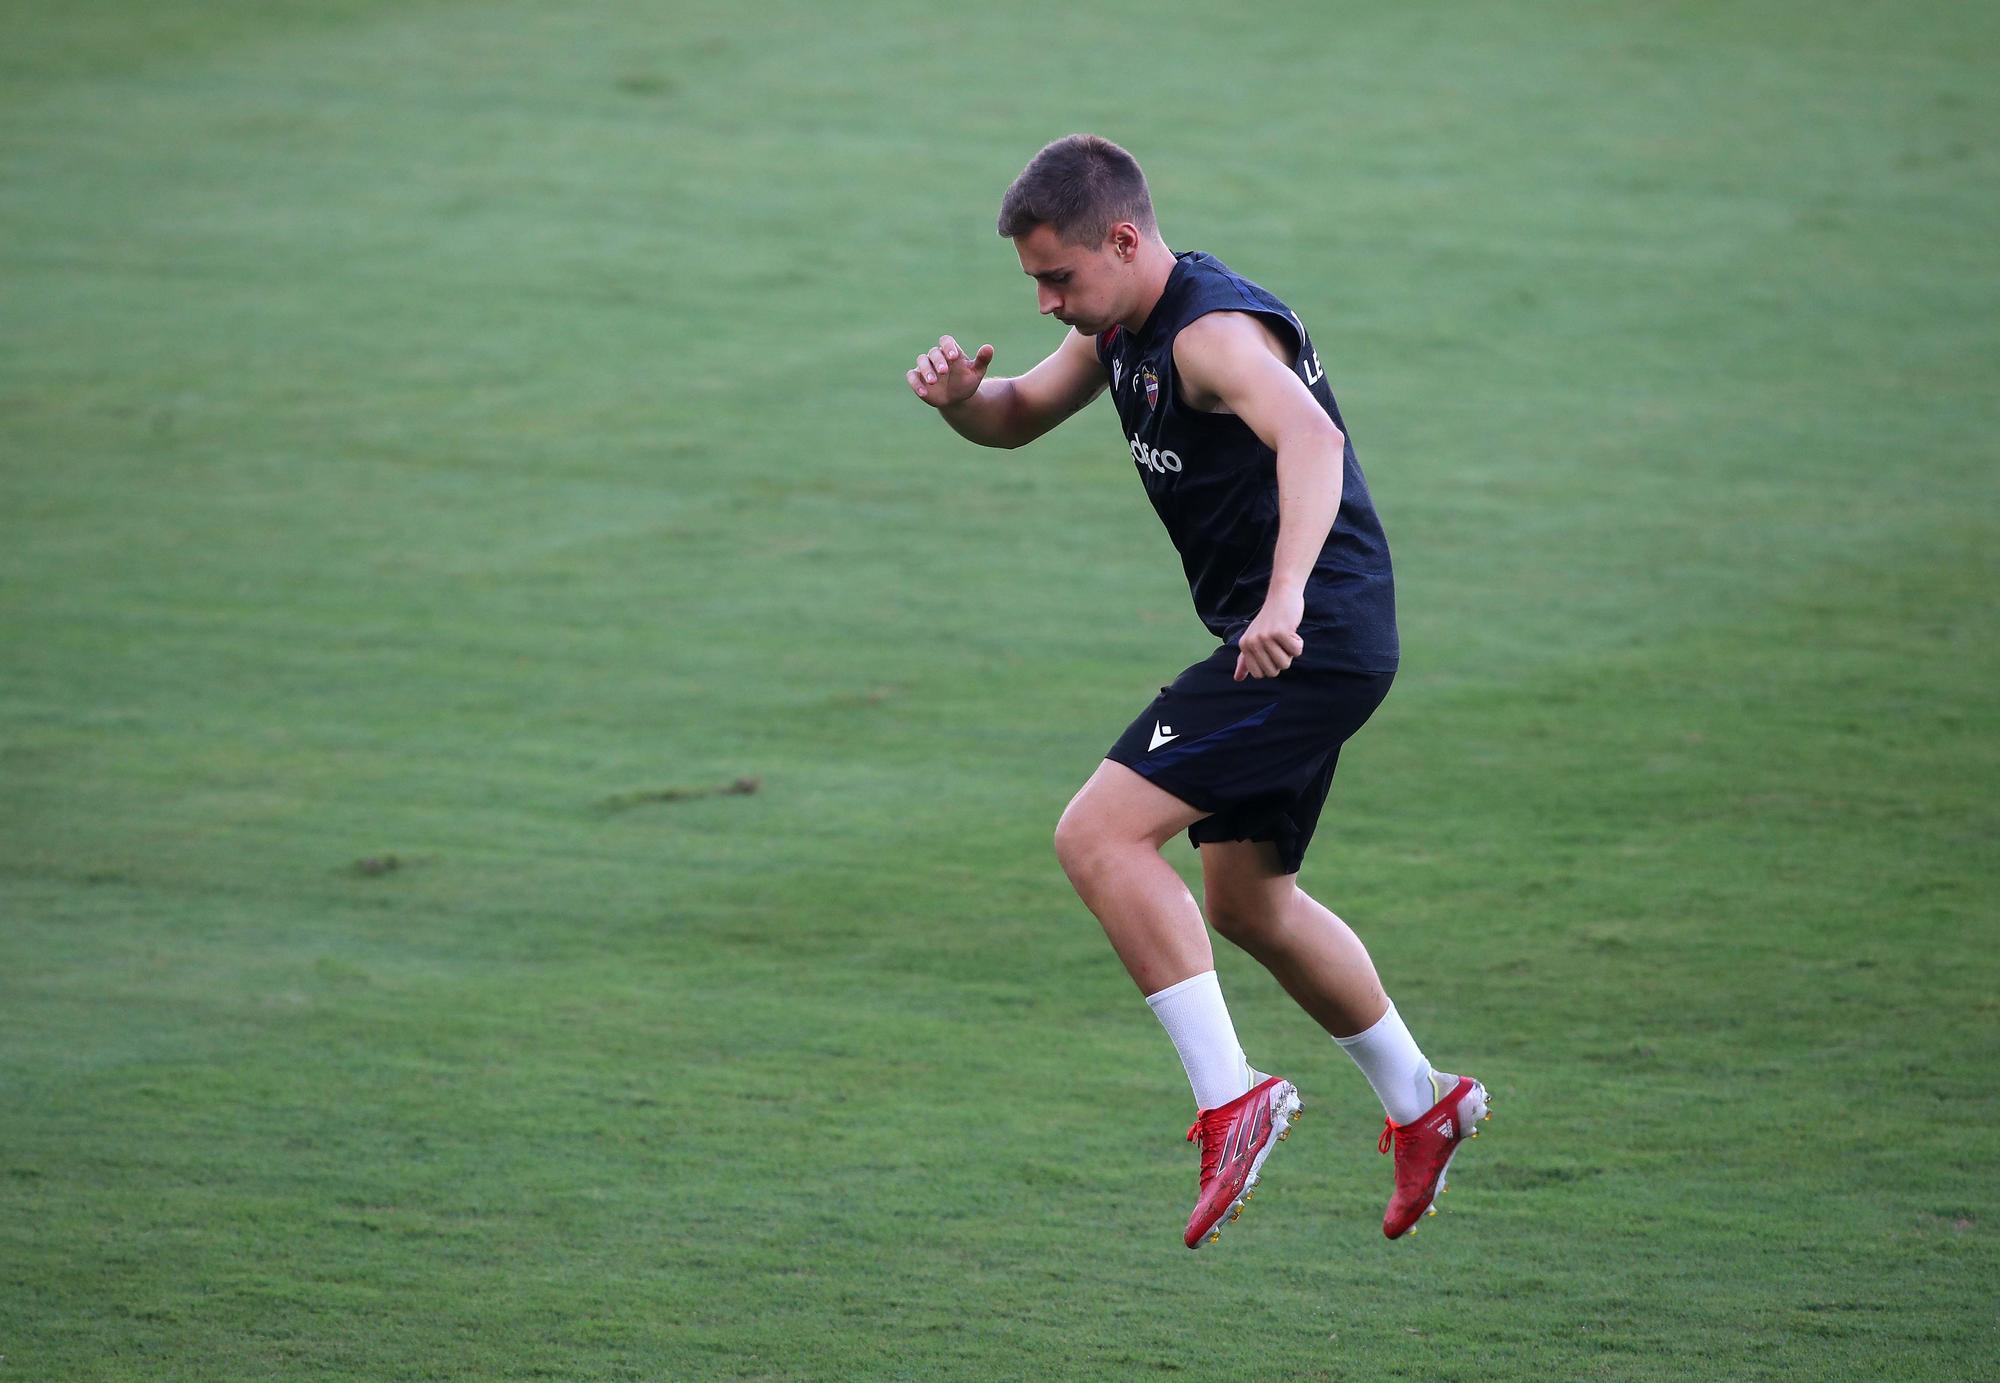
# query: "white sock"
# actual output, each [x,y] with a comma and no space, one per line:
[1197,1020]
[1389,1057]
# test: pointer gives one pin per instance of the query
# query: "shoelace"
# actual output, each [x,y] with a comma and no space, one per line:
[1211,1148]
[1388,1138]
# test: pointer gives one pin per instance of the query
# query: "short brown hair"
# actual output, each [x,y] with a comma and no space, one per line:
[1081,185]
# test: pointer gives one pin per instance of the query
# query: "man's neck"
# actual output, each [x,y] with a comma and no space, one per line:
[1155,267]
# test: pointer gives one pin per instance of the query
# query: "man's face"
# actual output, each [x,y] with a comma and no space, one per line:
[1084,286]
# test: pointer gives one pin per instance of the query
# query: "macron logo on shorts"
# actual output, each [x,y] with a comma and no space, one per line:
[1161,734]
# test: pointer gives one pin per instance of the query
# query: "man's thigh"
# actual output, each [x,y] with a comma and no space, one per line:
[1116,803]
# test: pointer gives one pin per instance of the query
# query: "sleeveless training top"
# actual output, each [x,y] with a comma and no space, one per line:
[1214,484]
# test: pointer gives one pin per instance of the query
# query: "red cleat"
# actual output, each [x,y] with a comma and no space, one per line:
[1235,1140]
[1425,1148]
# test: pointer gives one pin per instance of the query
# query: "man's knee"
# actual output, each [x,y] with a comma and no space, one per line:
[1078,841]
[1073,840]
[1246,916]
[1088,839]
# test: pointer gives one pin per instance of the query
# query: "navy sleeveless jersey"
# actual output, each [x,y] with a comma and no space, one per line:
[1214,484]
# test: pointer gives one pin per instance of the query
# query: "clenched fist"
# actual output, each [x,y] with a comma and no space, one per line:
[1272,641]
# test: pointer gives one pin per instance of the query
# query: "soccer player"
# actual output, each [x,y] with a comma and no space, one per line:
[1234,432]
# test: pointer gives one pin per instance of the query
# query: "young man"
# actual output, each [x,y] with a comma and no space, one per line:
[1235,434]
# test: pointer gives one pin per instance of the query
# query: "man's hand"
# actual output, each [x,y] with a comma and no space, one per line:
[1272,640]
[1002,412]
[944,376]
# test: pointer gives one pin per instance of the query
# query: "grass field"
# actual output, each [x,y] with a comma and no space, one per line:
[441,443]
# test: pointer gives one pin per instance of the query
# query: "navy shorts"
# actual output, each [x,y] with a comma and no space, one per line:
[1258,754]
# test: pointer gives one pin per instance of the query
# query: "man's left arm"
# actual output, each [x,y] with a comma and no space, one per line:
[1232,362]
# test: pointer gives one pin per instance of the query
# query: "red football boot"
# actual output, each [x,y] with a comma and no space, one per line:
[1235,1140]
[1425,1148]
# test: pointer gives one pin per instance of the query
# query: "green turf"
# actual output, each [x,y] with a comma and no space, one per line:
[440,442]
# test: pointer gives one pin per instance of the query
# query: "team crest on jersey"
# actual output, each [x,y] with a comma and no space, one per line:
[1151,382]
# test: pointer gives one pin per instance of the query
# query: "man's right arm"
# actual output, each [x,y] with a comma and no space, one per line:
[1007,412]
